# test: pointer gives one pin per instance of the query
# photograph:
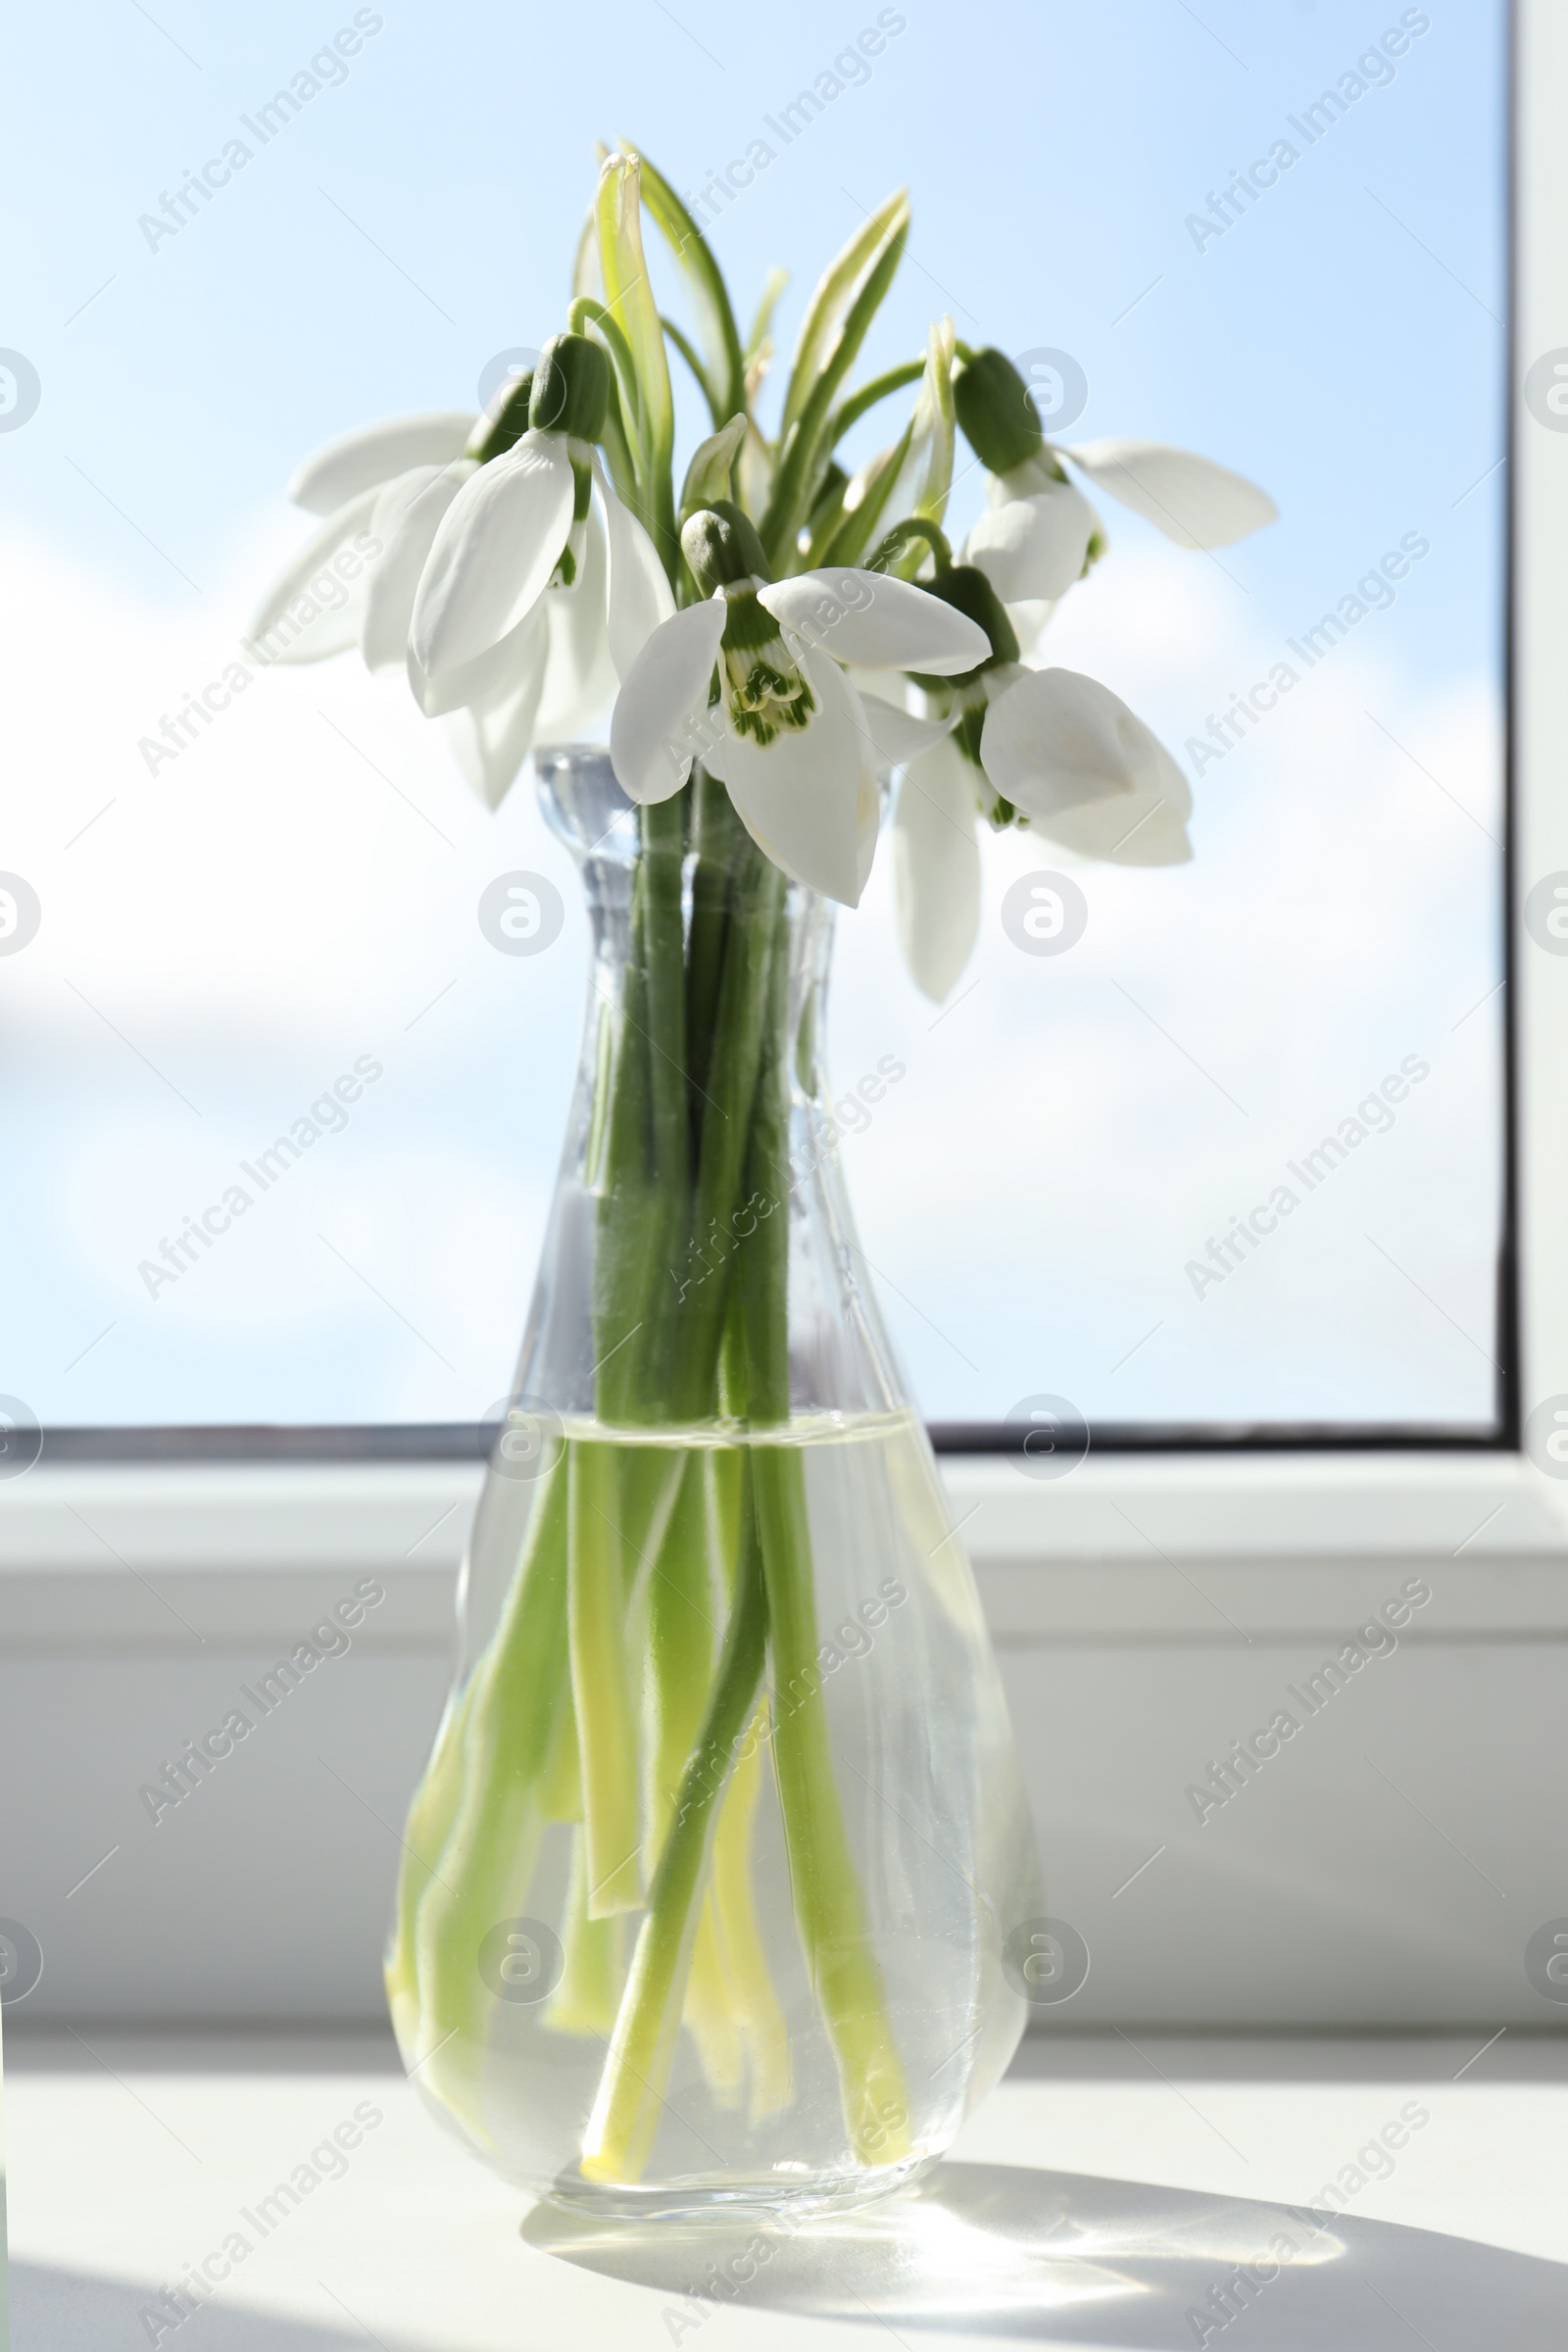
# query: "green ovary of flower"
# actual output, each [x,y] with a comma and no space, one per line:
[765,692]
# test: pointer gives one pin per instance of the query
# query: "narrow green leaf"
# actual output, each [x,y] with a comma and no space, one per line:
[722,373]
[925,475]
[851,411]
[630,300]
[834,296]
[805,453]
[585,273]
[762,323]
[865,502]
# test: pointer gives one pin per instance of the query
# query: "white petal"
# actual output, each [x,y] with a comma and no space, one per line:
[936,867]
[868,825]
[657,717]
[407,514]
[521,652]
[1191,499]
[808,799]
[490,740]
[333,611]
[340,470]
[640,595]
[1143,830]
[1085,769]
[496,548]
[872,619]
[1033,546]
[580,676]
[1144,827]
[896,735]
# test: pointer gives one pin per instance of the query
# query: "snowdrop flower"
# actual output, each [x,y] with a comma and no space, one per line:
[361,484]
[795,743]
[1046,748]
[519,526]
[482,565]
[1039,532]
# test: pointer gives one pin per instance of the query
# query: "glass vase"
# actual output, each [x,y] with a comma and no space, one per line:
[708,1881]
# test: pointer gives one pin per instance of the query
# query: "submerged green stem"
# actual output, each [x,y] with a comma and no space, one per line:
[600,1688]
[830,1911]
[625,2114]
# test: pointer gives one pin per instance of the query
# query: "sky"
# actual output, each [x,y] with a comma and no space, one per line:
[221,941]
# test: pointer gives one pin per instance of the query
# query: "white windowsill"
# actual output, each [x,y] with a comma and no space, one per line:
[1203,1548]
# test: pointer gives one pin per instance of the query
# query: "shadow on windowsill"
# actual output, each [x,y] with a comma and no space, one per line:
[999,2250]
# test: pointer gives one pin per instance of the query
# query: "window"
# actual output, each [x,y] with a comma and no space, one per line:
[257,892]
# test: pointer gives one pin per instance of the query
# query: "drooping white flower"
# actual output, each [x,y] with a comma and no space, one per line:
[796,745]
[502,540]
[1032,541]
[400,472]
[1191,499]
[1085,769]
[509,590]
[374,453]
[1039,531]
[936,866]
[544,683]
[1065,751]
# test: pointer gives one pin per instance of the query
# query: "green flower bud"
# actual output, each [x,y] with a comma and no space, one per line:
[999,420]
[493,435]
[570,388]
[965,587]
[722,546]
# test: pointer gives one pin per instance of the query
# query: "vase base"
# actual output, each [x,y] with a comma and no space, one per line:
[575,2207]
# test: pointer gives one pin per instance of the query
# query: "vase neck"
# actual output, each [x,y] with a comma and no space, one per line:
[701,1265]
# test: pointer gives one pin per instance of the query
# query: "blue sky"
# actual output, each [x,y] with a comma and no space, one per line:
[1341,343]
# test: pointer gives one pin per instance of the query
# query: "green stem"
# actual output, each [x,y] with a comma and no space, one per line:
[913,527]
[621,1259]
[601,1688]
[586,1998]
[481,1796]
[626,2115]
[829,1912]
[719,842]
[681,1647]
[748,952]
[644,1206]
[585,310]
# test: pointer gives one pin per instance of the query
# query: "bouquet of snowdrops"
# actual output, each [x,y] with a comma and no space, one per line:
[776,637]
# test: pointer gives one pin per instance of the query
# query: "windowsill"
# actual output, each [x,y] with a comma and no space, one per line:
[1148,1547]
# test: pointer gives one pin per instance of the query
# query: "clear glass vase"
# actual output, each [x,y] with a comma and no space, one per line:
[708,1880]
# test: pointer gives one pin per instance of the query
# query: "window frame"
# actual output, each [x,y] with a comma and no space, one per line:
[1532,1271]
